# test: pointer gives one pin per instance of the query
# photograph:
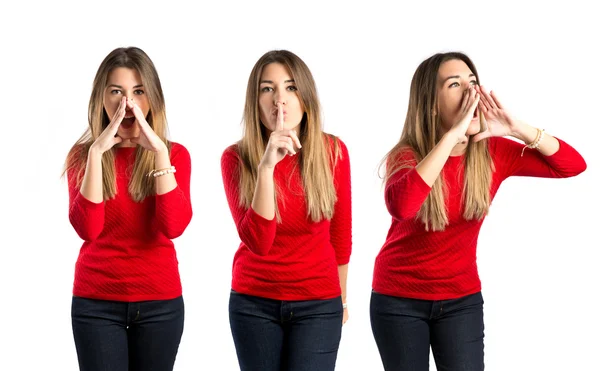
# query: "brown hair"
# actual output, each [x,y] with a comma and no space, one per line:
[316,157]
[422,131]
[140,186]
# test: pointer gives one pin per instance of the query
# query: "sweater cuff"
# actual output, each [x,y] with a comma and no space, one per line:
[166,198]
[88,205]
[415,180]
[260,221]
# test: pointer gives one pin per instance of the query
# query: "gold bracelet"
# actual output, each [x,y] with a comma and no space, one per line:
[536,141]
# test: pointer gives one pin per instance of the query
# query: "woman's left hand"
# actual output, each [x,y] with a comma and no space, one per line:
[148,138]
[345,318]
[498,121]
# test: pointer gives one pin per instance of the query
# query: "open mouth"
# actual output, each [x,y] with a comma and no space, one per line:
[128,121]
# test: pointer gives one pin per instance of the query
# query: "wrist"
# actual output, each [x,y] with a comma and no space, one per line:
[453,136]
[265,170]
[162,149]
[524,132]
[94,152]
[162,159]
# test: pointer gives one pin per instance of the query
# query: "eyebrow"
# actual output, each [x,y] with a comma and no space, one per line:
[456,77]
[120,87]
[271,82]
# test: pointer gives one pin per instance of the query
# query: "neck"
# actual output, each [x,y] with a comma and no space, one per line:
[126,144]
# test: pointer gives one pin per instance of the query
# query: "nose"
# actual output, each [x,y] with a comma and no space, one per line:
[130,96]
[279,98]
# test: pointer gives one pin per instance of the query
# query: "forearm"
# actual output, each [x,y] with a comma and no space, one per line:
[91,186]
[431,166]
[164,183]
[343,273]
[528,134]
[263,201]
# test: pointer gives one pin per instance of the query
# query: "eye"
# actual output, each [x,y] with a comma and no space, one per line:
[138,92]
[474,82]
[292,88]
[454,85]
[266,89]
[115,91]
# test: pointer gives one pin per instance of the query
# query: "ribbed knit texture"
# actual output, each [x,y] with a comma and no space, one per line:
[414,263]
[127,254]
[296,259]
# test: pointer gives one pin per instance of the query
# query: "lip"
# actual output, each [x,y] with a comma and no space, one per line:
[127,122]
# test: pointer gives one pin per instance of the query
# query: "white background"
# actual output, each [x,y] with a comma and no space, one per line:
[537,249]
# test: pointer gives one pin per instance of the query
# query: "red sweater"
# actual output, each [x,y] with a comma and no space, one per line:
[127,254]
[296,259]
[414,263]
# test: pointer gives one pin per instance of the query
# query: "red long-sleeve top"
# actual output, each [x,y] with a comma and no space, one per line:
[415,263]
[127,253]
[296,259]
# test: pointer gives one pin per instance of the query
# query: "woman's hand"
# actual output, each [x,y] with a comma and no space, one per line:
[469,104]
[281,143]
[498,121]
[108,138]
[148,138]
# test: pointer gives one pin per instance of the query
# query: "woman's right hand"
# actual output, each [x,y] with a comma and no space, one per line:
[108,138]
[467,110]
[281,143]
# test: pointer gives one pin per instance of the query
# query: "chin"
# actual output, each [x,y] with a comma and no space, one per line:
[127,135]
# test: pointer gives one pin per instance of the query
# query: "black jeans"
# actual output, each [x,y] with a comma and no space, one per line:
[275,335]
[404,329]
[120,336]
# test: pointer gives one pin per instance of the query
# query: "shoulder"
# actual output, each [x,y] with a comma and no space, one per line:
[178,151]
[500,146]
[177,148]
[402,155]
[231,152]
[335,145]
[76,159]
[231,156]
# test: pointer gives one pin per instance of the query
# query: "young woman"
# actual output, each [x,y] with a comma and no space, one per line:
[129,196]
[440,180]
[288,188]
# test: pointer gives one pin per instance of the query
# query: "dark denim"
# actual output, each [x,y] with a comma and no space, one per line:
[275,335]
[404,329]
[121,336]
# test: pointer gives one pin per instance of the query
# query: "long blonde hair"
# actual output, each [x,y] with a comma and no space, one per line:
[140,186]
[317,157]
[422,131]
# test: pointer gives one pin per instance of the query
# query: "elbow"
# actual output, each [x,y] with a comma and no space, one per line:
[174,230]
[172,233]
[261,250]
[582,166]
[258,247]
[575,170]
[86,233]
[400,213]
